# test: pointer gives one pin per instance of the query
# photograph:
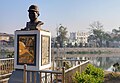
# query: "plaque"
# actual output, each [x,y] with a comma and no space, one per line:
[26,49]
[45,45]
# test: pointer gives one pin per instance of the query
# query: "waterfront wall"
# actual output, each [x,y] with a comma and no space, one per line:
[115,50]
[100,52]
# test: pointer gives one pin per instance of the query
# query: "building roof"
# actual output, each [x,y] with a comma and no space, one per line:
[5,34]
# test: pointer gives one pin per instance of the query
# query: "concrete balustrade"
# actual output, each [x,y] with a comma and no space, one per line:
[6,68]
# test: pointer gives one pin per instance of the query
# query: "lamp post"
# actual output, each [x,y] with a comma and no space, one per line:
[57,62]
[64,51]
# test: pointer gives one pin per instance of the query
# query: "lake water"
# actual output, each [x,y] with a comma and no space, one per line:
[105,63]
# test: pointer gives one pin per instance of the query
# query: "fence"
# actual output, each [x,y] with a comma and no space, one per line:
[45,76]
[64,76]
[6,68]
[6,65]
[71,71]
[68,62]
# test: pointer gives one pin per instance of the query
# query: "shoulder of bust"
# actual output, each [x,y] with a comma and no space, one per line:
[40,23]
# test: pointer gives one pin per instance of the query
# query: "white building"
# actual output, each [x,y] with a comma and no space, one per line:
[79,37]
[4,36]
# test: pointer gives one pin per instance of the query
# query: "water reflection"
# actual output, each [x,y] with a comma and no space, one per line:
[105,63]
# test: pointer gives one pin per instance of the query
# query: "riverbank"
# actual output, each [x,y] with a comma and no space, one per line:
[86,52]
[112,77]
[102,50]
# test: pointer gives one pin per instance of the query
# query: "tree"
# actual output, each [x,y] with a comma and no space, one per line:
[61,35]
[11,40]
[96,25]
[99,34]
[97,30]
[116,33]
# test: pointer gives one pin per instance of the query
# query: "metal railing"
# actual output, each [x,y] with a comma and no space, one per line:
[45,76]
[50,76]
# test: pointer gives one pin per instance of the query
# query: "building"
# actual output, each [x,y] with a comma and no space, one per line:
[4,36]
[6,39]
[79,37]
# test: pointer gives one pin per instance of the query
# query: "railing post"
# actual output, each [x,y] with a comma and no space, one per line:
[63,73]
[25,74]
[45,77]
[40,77]
[30,77]
[34,77]
[51,78]
[79,68]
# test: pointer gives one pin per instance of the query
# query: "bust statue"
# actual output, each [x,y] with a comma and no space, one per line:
[34,23]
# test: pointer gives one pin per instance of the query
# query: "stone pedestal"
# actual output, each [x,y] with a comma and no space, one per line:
[32,48]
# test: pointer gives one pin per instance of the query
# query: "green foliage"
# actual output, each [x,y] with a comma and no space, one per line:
[98,33]
[61,35]
[90,75]
[83,78]
[116,33]
[10,55]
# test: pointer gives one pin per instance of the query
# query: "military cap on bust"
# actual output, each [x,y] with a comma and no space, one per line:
[33,8]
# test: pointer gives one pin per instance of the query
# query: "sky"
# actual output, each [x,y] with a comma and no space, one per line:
[76,15]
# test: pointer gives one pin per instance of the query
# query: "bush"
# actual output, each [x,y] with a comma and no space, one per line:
[90,75]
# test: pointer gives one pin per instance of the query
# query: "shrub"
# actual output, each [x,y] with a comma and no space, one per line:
[90,75]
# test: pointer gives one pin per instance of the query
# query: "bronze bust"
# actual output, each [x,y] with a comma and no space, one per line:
[34,23]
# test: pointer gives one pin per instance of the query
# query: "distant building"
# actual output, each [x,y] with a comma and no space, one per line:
[79,37]
[6,38]
[73,35]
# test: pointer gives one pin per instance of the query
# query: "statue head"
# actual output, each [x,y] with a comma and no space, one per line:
[33,13]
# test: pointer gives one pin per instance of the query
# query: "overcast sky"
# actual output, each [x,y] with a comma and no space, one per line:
[76,15]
